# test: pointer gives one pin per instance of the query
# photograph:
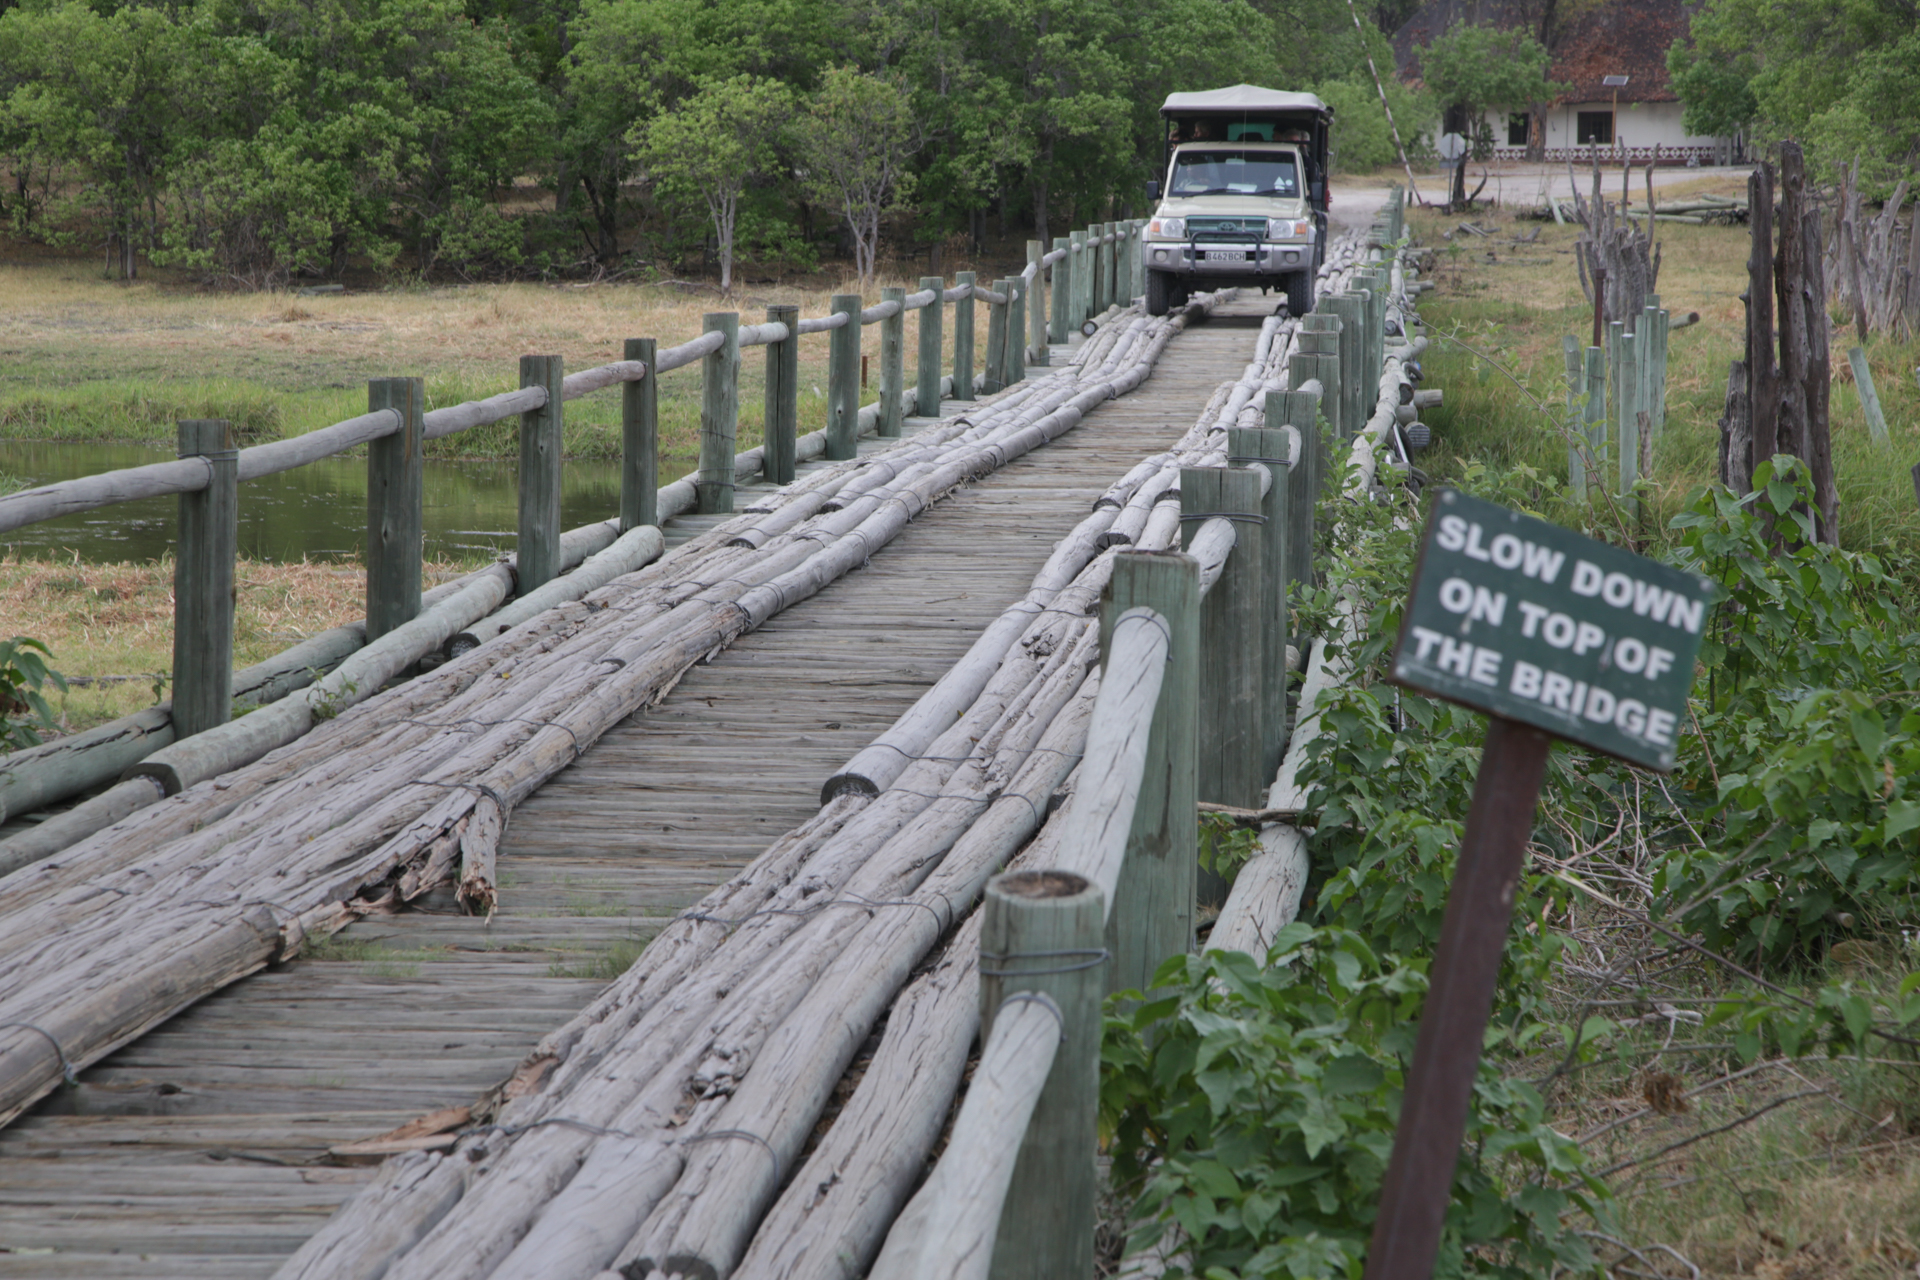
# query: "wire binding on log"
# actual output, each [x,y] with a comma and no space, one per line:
[1249,517]
[1035,997]
[1100,955]
[66,1066]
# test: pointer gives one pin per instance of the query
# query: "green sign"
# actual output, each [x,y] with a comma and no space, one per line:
[1523,619]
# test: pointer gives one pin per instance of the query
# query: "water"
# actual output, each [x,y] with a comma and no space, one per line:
[315,512]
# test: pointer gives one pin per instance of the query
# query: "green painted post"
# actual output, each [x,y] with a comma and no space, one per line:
[1869,397]
[1152,916]
[1111,281]
[1231,616]
[1329,345]
[640,440]
[1079,279]
[1102,269]
[996,371]
[1576,455]
[1016,329]
[1350,310]
[1301,411]
[1036,303]
[208,539]
[843,380]
[1626,353]
[1038,931]
[926,400]
[396,472]
[963,337]
[1270,447]
[537,557]
[893,359]
[1062,301]
[719,415]
[1594,417]
[780,436]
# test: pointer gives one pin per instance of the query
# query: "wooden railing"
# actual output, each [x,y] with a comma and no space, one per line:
[1189,639]
[1085,274]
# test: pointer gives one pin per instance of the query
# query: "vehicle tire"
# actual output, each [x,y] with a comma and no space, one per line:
[1159,293]
[1300,292]
[1179,293]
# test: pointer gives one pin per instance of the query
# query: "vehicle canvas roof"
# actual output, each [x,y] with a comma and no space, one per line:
[1243,99]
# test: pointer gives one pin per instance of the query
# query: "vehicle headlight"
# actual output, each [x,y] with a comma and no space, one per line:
[1288,229]
[1170,228]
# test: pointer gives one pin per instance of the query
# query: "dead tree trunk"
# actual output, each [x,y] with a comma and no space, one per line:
[1610,243]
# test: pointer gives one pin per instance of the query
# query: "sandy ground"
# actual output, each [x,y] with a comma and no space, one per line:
[1354,205]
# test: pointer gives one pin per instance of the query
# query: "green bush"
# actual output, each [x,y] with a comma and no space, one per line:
[24,712]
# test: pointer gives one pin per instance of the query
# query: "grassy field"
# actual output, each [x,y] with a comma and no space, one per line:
[1503,307]
[93,359]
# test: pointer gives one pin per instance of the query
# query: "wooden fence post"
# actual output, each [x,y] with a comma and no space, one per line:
[996,363]
[963,336]
[1626,382]
[1647,351]
[843,380]
[719,415]
[1869,397]
[1576,379]
[1016,329]
[1231,614]
[1102,269]
[1036,303]
[395,481]
[1594,417]
[1111,281]
[640,440]
[1316,356]
[1079,281]
[1301,411]
[1350,309]
[203,581]
[1271,447]
[1062,300]
[926,400]
[1152,916]
[780,424]
[1043,931]
[893,359]
[537,558]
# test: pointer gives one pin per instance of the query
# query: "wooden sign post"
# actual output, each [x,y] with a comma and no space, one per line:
[1553,635]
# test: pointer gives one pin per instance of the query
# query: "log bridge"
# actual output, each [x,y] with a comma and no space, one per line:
[528,929]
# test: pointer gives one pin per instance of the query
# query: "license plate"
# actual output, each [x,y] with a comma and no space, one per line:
[1226,255]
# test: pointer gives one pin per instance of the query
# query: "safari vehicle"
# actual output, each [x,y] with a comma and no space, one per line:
[1245,200]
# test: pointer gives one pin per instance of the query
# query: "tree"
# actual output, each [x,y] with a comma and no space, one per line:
[711,147]
[1716,90]
[855,141]
[1473,67]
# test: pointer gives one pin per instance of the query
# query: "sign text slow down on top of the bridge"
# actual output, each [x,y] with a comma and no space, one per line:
[1524,619]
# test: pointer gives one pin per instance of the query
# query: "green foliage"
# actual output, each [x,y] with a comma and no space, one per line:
[1225,845]
[1254,1106]
[856,138]
[1361,138]
[24,673]
[1811,729]
[1475,67]
[1716,90]
[1842,78]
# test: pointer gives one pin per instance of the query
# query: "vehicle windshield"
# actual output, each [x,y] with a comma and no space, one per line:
[1219,171]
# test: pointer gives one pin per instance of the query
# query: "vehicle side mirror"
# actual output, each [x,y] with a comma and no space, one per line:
[1153,189]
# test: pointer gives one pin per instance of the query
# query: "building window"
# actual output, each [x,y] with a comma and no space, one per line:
[1594,126]
[1519,125]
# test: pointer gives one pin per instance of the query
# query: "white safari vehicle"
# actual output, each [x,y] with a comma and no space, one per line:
[1245,195]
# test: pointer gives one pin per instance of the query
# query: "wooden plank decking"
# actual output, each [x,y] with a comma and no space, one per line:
[199,1150]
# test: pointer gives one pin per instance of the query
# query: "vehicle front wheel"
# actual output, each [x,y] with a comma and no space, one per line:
[1159,293]
[1300,292]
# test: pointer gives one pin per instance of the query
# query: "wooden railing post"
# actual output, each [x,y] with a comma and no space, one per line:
[640,440]
[1079,281]
[843,380]
[1062,301]
[203,582]
[893,357]
[780,430]
[963,336]
[1044,932]
[719,415]
[1626,381]
[1231,615]
[1152,916]
[1016,329]
[1102,269]
[1271,447]
[996,362]
[926,400]
[1300,410]
[1594,418]
[537,558]
[1347,317]
[1115,250]
[1129,288]
[1036,303]
[396,473]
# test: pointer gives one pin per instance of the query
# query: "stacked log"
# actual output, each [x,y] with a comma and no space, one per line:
[379,801]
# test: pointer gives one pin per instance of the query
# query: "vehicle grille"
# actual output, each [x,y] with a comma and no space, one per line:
[1241,229]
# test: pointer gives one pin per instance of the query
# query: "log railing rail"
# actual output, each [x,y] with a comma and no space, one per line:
[206,688]
[1187,637]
